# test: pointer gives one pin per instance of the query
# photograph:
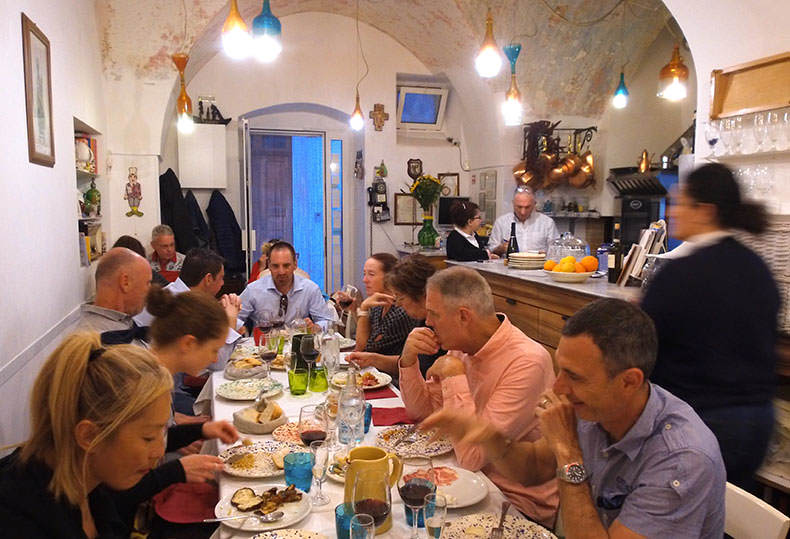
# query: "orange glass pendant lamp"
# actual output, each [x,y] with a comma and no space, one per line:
[184,123]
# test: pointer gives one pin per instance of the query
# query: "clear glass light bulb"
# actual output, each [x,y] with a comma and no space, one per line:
[488,62]
[512,111]
[619,101]
[266,48]
[185,124]
[356,121]
[675,91]
[237,43]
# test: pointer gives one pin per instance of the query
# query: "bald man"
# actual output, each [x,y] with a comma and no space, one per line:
[122,281]
[534,230]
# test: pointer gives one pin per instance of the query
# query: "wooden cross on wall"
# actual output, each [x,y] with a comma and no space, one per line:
[378,116]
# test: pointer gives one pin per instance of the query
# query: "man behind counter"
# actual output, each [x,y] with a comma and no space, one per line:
[533,229]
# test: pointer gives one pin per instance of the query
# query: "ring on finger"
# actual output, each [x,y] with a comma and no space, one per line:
[544,403]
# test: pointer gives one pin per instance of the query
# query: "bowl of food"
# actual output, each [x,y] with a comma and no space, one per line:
[570,270]
[251,421]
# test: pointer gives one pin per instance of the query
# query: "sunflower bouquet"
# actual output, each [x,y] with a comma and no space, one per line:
[426,190]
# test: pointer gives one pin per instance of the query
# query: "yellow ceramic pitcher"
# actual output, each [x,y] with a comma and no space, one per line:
[372,458]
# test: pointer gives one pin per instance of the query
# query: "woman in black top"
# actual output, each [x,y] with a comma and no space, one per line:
[462,243]
[716,311]
[97,417]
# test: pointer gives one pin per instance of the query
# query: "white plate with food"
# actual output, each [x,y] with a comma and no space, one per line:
[391,440]
[462,488]
[290,534]
[346,344]
[481,524]
[261,459]
[279,362]
[247,390]
[294,503]
[369,378]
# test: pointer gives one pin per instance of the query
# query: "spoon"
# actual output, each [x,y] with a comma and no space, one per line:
[271,517]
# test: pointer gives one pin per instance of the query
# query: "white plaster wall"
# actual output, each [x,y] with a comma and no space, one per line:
[41,275]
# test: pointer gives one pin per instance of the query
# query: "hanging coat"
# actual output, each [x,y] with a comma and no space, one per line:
[174,211]
[199,226]
[227,233]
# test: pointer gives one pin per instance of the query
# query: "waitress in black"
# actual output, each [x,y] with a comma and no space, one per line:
[462,242]
[715,311]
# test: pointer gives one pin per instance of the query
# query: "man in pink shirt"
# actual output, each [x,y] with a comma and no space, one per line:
[492,370]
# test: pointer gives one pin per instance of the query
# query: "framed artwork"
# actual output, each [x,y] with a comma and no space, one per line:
[490,183]
[451,181]
[38,94]
[406,209]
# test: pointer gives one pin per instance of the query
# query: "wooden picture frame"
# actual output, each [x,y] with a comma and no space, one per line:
[38,94]
[406,209]
[751,87]
[451,180]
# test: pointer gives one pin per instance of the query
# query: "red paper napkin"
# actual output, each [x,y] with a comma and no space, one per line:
[380,393]
[385,417]
[186,503]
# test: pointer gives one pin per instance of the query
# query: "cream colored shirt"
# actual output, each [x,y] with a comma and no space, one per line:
[534,234]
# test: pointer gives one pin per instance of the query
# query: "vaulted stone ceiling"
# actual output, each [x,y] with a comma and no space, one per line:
[563,68]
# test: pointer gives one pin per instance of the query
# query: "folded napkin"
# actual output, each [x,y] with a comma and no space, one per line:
[380,393]
[384,417]
[185,503]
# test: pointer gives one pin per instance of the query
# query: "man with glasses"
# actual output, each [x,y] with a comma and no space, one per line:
[533,229]
[286,296]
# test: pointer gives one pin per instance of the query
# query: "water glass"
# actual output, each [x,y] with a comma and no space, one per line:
[343,514]
[318,379]
[435,514]
[299,470]
[368,416]
[297,381]
[362,527]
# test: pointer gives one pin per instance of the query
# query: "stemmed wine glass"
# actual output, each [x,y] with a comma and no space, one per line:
[712,135]
[772,128]
[759,131]
[372,495]
[316,375]
[312,424]
[347,295]
[263,326]
[737,133]
[320,451]
[416,481]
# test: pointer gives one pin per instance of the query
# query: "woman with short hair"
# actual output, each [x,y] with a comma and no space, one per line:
[97,418]
[463,243]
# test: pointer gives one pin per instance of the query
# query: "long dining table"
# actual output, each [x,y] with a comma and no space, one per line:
[322,518]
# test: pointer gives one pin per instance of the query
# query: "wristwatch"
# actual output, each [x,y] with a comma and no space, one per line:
[572,473]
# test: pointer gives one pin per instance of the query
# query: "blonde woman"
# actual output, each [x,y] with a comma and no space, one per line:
[97,419]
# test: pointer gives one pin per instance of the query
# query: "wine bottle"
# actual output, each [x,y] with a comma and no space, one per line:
[617,254]
[512,244]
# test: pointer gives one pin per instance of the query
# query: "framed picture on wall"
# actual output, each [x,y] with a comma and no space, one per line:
[406,209]
[490,184]
[38,94]
[451,182]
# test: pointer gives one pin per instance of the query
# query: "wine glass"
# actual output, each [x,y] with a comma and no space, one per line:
[312,423]
[372,495]
[308,347]
[330,351]
[772,128]
[759,131]
[737,133]
[346,296]
[263,326]
[712,135]
[416,481]
[320,451]
[362,526]
[435,514]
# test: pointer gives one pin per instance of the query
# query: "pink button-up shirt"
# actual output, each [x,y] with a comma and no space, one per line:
[503,383]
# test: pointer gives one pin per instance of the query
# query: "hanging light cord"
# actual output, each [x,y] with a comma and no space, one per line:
[528,34]
[184,39]
[583,23]
[361,51]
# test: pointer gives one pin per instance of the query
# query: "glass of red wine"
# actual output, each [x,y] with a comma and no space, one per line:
[372,495]
[346,296]
[312,423]
[416,481]
[263,326]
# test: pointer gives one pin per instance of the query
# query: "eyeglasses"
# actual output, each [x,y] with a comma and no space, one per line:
[283,305]
[476,217]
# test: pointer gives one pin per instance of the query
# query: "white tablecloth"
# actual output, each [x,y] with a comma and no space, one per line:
[322,518]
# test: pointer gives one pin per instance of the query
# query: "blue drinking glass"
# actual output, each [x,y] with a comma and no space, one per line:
[343,514]
[299,470]
[368,416]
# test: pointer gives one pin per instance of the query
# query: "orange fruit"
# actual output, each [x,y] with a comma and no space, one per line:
[567,267]
[568,259]
[556,268]
[580,267]
[549,265]
[590,263]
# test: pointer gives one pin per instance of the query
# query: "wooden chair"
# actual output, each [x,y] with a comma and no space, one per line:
[748,517]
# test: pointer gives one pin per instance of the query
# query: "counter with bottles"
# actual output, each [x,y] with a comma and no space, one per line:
[538,305]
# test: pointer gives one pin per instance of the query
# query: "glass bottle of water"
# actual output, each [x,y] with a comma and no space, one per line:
[350,411]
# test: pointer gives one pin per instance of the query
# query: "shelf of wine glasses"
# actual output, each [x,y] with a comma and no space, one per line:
[749,156]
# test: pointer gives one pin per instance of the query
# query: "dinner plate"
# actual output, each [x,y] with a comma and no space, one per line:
[462,488]
[290,534]
[347,344]
[481,524]
[248,389]
[334,474]
[384,379]
[422,447]
[262,451]
[293,512]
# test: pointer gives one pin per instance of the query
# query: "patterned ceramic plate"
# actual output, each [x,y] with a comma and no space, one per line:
[247,390]
[288,433]
[422,447]
[383,379]
[263,465]
[290,534]
[481,524]
[294,512]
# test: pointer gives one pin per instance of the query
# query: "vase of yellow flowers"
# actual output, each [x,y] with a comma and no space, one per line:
[426,190]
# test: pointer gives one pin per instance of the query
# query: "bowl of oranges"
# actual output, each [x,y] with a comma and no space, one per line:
[570,270]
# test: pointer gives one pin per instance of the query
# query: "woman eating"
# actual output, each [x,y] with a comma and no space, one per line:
[462,242]
[97,418]
[715,310]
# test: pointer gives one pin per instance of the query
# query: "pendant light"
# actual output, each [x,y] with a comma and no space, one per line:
[620,97]
[266,32]
[236,39]
[512,109]
[185,124]
[488,61]
[357,120]
[672,78]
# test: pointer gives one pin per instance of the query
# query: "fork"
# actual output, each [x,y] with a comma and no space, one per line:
[409,435]
[496,533]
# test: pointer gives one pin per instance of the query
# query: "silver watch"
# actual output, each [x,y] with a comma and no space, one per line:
[572,473]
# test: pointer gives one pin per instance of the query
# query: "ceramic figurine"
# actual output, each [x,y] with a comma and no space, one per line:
[92,198]
[381,170]
[133,194]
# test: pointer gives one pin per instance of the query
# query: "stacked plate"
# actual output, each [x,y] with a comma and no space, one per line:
[527,261]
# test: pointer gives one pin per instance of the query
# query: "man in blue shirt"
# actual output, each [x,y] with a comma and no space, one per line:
[286,296]
[633,460]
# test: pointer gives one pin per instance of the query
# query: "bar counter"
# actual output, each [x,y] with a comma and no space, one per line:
[538,305]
